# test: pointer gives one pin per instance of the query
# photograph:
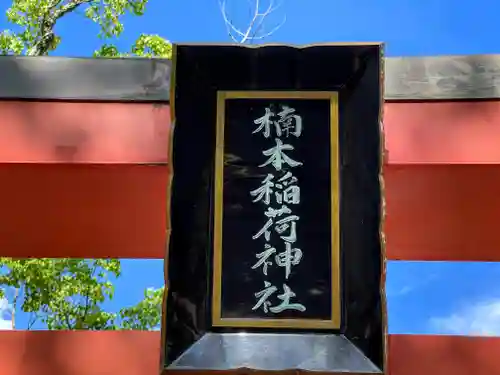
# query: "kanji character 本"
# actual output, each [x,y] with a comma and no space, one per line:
[277,157]
[291,193]
[263,295]
[291,256]
[289,122]
[265,123]
[285,304]
[263,258]
[263,193]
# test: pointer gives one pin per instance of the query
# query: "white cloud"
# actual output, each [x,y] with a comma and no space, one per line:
[479,319]
[397,288]
[400,291]
[5,309]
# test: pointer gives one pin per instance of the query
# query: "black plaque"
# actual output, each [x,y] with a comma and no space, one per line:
[210,320]
[276,238]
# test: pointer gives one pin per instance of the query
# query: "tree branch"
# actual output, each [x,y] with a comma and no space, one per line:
[80,324]
[69,7]
[68,322]
[270,9]
[32,320]
[14,307]
[42,45]
[252,31]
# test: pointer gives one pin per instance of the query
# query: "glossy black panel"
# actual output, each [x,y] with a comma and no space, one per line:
[290,194]
[202,71]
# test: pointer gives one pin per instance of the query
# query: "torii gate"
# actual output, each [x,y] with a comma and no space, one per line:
[85,170]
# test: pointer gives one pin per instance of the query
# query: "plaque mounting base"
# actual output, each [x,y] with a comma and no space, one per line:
[274,352]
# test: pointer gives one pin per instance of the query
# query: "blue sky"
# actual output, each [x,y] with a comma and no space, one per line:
[447,298]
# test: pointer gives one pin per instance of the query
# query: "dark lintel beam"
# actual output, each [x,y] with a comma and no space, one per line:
[134,79]
[84,79]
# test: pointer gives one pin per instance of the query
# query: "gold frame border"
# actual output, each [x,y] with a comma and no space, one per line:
[335,319]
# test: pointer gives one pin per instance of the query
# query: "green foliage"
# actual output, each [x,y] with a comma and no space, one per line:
[145,46]
[146,313]
[69,293]
[35,20]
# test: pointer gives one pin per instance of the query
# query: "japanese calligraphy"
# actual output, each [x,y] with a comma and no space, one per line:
[277,156]
[285,304]
[285,122]
[278,192]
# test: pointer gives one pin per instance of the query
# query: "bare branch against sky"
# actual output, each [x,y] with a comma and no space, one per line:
[254,29]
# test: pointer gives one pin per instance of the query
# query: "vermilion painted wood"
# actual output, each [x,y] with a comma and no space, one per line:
[56,132]
[421,133]
[137,353]
[443,355]
[82,210]
[443,132]
[443,212]
[79,353]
